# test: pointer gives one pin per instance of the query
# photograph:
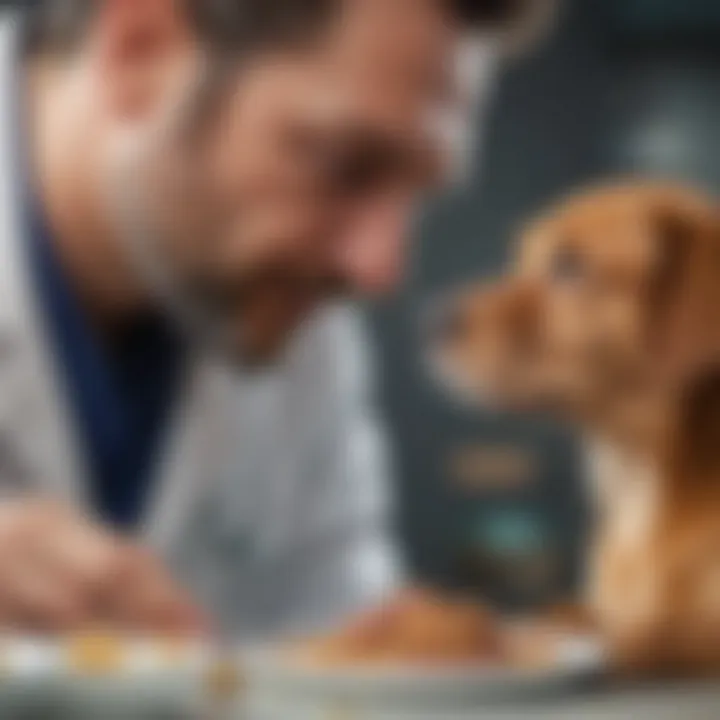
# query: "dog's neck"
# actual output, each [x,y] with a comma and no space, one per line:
[653,498]
[617,471]
[671,443]
[634,424]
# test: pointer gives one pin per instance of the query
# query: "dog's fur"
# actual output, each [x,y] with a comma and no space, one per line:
[611,318]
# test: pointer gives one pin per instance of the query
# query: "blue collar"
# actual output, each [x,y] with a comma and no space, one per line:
[121,389]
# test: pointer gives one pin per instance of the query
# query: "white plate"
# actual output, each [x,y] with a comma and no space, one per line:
[270,674]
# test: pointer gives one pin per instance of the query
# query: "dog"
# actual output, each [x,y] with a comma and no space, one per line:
[610,318]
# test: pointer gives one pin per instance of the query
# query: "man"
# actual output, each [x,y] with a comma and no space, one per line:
[187,189]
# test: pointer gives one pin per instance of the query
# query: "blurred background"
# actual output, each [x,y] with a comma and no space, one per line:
[621,87]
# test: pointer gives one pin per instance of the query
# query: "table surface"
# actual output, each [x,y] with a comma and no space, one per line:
[671,702]
[701,702]
[657,702]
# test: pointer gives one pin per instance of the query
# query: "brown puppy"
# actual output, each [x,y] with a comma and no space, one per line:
[611,318]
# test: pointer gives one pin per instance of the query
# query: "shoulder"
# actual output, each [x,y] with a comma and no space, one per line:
[326,371]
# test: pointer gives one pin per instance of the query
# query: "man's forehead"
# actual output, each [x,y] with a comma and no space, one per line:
[403,38]
[381,46]
[422,69]
[416,79]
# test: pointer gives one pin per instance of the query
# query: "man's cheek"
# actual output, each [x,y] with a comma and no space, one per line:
[263,241]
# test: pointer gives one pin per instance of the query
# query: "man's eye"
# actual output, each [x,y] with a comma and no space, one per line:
[368,165]
[567,266]
[358,172]
[344,167]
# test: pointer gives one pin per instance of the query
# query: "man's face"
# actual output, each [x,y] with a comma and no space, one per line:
[298,183]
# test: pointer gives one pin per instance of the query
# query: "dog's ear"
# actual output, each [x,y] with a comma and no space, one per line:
[683,289]
[694,437]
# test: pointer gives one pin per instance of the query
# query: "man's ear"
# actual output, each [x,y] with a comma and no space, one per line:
[137,45]
[683,289]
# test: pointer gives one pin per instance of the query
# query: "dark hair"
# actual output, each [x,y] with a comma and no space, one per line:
[490,13]
[58,25]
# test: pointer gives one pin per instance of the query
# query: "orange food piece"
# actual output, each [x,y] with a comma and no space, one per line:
[418,627]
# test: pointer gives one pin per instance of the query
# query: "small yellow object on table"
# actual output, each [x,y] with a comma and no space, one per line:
[96,653]
[225,680]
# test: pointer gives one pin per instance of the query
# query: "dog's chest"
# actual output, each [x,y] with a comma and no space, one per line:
[623,585]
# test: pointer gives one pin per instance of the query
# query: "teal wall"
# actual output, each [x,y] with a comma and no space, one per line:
[597,100]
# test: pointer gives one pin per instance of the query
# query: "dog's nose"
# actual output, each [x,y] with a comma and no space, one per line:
[443,321]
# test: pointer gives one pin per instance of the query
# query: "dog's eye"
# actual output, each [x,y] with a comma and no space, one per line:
[567,266]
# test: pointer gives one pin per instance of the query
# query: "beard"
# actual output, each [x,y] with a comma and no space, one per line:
[246,317]
[252,320]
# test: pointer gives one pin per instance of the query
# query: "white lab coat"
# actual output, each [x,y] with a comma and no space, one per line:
[271,503]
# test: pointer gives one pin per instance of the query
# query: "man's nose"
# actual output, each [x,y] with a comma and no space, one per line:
[371,252]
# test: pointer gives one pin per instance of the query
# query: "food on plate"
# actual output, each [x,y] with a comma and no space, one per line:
[417,628]
[429,629]
[224,680]
[570,617]
[96,653]
[532,643]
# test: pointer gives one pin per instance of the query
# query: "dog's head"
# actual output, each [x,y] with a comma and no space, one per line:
[614,302]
